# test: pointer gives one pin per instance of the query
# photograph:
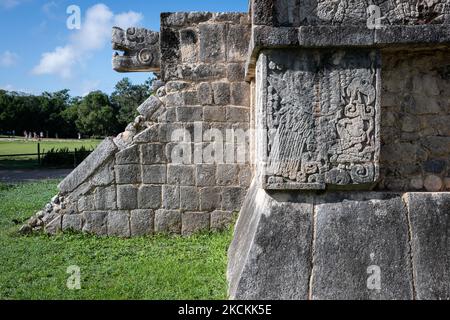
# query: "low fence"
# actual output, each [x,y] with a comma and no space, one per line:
[53,157]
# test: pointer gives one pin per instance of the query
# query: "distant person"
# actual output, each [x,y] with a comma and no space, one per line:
[56,135]
[25,134]
[79,136]
[14,133]
[41,134]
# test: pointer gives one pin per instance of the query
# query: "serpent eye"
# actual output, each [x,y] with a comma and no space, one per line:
[145,56]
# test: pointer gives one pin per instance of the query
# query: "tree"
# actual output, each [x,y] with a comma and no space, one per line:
[95,115]
[127,97]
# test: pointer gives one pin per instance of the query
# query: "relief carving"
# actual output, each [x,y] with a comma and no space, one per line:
[321,117]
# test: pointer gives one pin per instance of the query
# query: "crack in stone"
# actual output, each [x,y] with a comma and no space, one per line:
[313,243]
[410,244]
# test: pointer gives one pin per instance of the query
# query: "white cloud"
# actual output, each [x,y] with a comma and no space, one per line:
[58,62]
[94,34]
[8,59]
[127,19]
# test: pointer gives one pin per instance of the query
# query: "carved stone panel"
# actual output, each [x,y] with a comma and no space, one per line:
[319,115]
[294,13]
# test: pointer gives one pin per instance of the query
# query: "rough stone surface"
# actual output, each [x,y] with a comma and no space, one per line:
[118,224]
[193,222]
[329,105]
[221,220]
[168,221]
[352,234]
[95,223]
[149,197]
[72,222]
[127,197]
[429,214]
[142,223]
[270,256]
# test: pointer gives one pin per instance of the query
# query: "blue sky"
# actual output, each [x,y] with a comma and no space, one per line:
[39,53]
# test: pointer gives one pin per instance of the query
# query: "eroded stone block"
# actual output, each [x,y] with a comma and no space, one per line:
[168,221]
[361,248]
[95,222]
[149,197]
[193,222]
[119,224]
[127,197]
[72,222]
[430,227]
[142,223]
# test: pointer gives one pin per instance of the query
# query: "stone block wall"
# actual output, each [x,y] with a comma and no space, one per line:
[183,165]
[415,121]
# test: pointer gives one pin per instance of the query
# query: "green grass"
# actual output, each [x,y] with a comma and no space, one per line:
[22,146]
[159,267]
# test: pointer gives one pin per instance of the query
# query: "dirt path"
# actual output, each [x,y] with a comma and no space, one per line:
[24,175]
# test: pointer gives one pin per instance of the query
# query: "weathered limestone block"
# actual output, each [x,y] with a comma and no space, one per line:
[235,72]
[171,197]
[128,174]
[104,175]
[189,114]
[240,96]
[86,203]
[204,93]
[105,198]
[212,43]
[149,197]
[189,198]
[429,214]
[142,223]
[54,226]
[205,175]
[95,222]
[73,222]
[221,92]
[232,198]
[220,220]
[168,221]
[127,197]
[355,236]
[238,37]
[210,198]
[102,153]
[227,174]
[319,118]
[270,256]
[153,153]
[193,222]
[118,224]
[154,174]
[181,175]
[128,156]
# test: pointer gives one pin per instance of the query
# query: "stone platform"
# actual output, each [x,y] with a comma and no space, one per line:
[333,245]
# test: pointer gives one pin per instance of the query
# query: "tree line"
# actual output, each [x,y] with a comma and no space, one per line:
[58,114]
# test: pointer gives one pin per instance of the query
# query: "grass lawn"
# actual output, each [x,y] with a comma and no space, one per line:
[159,267]
[22,146]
